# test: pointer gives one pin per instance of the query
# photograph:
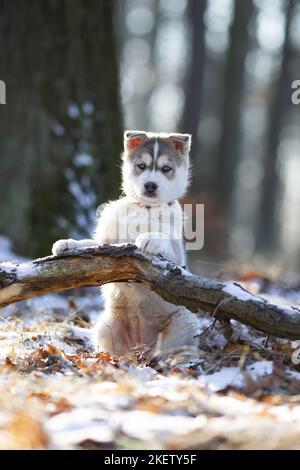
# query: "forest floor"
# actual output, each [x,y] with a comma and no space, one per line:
[239,392]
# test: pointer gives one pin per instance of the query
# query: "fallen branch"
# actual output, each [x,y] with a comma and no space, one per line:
[104,264]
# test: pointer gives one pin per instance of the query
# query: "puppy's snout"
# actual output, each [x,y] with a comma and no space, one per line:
[150,187]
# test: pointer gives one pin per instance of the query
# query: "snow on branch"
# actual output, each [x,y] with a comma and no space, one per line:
[104,264]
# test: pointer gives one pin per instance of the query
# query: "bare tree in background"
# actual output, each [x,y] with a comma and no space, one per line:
[267,233]
[229,149]
[140,113]
[61,127]
[194,85]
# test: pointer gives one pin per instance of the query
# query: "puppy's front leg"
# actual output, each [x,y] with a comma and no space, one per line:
[153,244]
[61,246]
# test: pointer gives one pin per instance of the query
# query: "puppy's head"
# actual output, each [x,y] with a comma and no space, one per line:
[155,166]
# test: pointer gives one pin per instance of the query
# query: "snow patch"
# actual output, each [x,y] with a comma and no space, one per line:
[88,108]
[57,128]
[26,269]
[234,376]
[83,159]
[8,266]
[6,252]
[260,369]
[79,425]
[148,426]
[239,293]
[73,111]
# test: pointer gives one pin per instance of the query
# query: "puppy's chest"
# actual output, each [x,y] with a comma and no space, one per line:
[142,220]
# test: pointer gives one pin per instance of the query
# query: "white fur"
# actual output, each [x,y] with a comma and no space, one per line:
[134,315]
[168,190]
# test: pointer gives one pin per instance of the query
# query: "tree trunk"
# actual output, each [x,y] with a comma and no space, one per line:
[61,127]
[193,86]
[228,154]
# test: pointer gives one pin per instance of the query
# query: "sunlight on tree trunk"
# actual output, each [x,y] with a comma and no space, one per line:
[62,125]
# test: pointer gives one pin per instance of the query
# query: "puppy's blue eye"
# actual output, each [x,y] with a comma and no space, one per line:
[166,169]
[141,166]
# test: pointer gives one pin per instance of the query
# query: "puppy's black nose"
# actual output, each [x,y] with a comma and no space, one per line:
[151,187]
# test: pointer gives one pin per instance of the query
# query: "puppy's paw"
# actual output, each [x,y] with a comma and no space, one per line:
[61,246]
[152,244]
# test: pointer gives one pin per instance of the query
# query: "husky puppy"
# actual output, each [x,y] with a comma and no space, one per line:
[155,174]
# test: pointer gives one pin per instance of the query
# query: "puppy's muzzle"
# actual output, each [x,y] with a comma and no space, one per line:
[150,188]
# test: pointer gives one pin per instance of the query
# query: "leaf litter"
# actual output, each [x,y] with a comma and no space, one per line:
[240,390]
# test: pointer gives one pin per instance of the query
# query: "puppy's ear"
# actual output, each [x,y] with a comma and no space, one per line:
[132,140]
[180,142]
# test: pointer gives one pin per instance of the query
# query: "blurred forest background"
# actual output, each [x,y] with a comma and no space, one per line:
[79,71]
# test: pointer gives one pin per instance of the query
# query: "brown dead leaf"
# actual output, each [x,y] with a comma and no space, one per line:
[24,432]
[236,348]
[54,406]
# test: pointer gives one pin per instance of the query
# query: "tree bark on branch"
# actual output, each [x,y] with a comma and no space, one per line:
[104,264]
